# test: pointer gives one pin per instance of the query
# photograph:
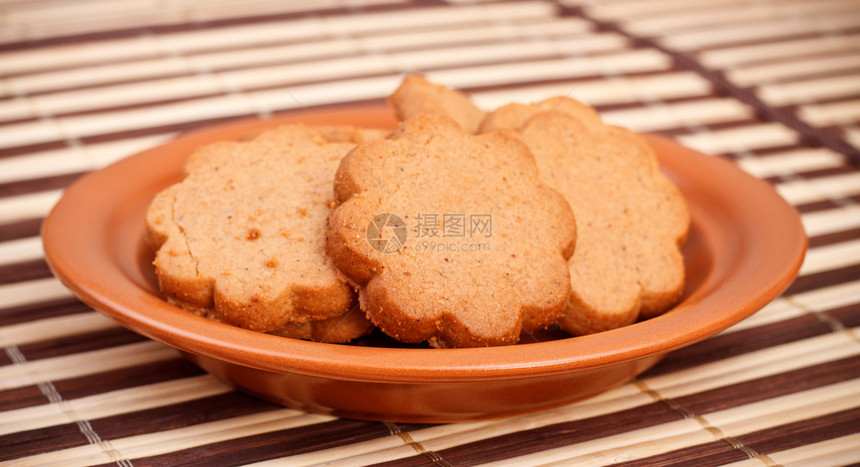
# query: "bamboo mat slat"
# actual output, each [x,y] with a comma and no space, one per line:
[771,85]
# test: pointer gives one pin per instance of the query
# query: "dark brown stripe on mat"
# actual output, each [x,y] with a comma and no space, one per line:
[848,315]
[824,278]
[265,446]
[657,102]
[834,237]
[54,438]
[25,271]
[23,187]
[724,86]
[79,343]
[696,128]
[547,437]
[777,150]
[573,80]
[128,377]
[193,412]
[32,442]
[31,148]
[804,432]
[772,386]
[20,229]
[18,398]
[812,174]
[41,310]
[740,342]
[826,204]
[827,100]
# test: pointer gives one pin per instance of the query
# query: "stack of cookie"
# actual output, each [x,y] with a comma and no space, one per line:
[459,228]
[241,238]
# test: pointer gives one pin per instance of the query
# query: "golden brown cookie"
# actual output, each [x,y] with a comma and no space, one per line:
[631,220]
[452,237]
[338,329]
[515,115]
[349,136]
[417,96]
[241,238]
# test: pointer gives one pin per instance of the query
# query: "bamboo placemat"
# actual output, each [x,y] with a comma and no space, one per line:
[773,85]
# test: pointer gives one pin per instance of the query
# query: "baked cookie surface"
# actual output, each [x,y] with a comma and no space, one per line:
[451,237]
[631,220]
[242,238]
[337,329]
[416,96]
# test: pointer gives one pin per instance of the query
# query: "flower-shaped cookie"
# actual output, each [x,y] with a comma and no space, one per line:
[241,238]
[451,237]
[631,219]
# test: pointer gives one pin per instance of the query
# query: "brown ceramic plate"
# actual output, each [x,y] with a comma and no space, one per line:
[745,246]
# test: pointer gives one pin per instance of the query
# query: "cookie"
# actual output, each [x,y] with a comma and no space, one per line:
[515,115]
[242,238]
[348,135]
[417,96]
[632,221]
[335,330]
[338,329]
[452,238]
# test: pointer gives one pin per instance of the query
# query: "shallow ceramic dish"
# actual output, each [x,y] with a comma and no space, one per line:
[745,246]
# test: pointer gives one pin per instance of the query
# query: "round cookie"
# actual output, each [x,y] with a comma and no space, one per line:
[337,329]
[631,220]
[416,96]
[242,236]
[453,238]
